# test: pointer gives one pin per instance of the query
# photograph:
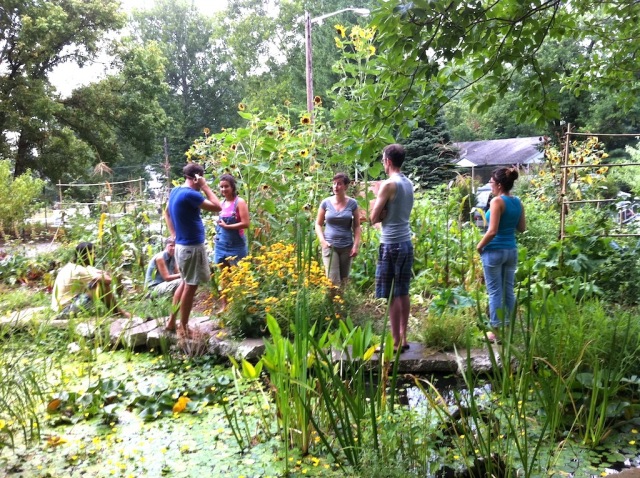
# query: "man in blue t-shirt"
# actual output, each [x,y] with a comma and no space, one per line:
[185,225]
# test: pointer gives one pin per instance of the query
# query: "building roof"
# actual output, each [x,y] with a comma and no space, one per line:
[497,152]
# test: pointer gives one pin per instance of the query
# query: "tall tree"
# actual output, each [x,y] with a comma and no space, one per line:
[55,136]
[202,84]
[268,47]
[434,50]
[429,153]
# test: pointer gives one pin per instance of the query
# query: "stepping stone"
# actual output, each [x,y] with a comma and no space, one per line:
[119,326]
[20,318]
[136,336]
[421,360]
[222,347]
[250,349]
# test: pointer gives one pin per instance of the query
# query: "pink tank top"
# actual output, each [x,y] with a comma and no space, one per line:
[229,210]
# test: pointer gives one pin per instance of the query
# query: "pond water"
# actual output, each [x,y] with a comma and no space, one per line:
[617,453]
[86,442]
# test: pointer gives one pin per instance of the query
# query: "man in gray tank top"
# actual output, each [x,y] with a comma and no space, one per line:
[395,255]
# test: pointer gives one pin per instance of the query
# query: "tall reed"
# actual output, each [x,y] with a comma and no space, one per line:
[23,386]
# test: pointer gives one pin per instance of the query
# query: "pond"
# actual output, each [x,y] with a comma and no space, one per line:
[118,413]
[126,442]
[567,458]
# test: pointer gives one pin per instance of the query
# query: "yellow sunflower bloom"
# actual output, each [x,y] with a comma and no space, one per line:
[304,153]
[241,106]
[306,119]
[342,31]
[206,131]
[317,100]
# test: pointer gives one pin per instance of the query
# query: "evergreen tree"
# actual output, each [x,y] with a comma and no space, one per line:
[430,154]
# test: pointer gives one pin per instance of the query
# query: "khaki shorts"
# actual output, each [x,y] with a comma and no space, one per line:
[166,287]
[193,264]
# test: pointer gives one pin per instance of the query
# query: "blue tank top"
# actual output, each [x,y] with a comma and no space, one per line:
[395,225]
[506,236]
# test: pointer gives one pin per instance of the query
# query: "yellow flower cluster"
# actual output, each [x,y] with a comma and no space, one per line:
[582,182]
[360,38]
[266,282]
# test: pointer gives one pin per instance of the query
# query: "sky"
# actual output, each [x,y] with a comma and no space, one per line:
[68,76]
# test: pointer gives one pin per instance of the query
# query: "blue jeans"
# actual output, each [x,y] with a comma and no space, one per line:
[499,275]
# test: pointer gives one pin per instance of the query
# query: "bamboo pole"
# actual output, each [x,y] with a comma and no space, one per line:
[563,190]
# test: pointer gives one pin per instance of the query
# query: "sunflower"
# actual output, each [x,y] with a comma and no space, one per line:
[234,147]
[206,131]
[339,43]
[304,153]
[265,187]
[306,119]
[241,106]
[371,50]
[317,100]
[342,31]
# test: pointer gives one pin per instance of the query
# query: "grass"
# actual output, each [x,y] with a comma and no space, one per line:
[18,298]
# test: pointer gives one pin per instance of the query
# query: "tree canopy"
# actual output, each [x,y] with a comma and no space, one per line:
[60,138]
[437,50]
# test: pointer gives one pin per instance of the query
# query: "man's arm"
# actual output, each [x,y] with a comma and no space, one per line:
[386,192]
[169,221]
[212,203]
[163,270]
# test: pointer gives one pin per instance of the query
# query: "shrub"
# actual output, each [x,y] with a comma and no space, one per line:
[449,327]
[17,197]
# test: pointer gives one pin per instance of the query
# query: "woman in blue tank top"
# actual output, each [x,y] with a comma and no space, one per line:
[498,249]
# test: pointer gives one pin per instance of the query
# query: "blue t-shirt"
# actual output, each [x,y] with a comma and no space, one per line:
[509,219]
[184,209]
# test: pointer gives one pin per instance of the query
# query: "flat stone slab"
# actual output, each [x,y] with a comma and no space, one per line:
[209,337]
[422,360]
[20,318]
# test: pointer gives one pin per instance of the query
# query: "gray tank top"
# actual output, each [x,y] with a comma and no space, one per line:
[395,226]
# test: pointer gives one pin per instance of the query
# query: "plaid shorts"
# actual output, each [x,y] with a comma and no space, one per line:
[394,269]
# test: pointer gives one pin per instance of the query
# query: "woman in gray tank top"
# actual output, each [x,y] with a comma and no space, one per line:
[338,230]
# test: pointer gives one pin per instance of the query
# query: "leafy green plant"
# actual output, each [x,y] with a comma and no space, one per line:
[449,327]
[15,299]
[17,197]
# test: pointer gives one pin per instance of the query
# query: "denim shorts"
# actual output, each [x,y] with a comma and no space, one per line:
[394,269]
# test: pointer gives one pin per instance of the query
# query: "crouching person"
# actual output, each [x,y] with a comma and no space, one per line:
[163,276]
[78,285]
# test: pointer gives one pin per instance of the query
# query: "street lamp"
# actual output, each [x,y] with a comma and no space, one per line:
[308,21]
